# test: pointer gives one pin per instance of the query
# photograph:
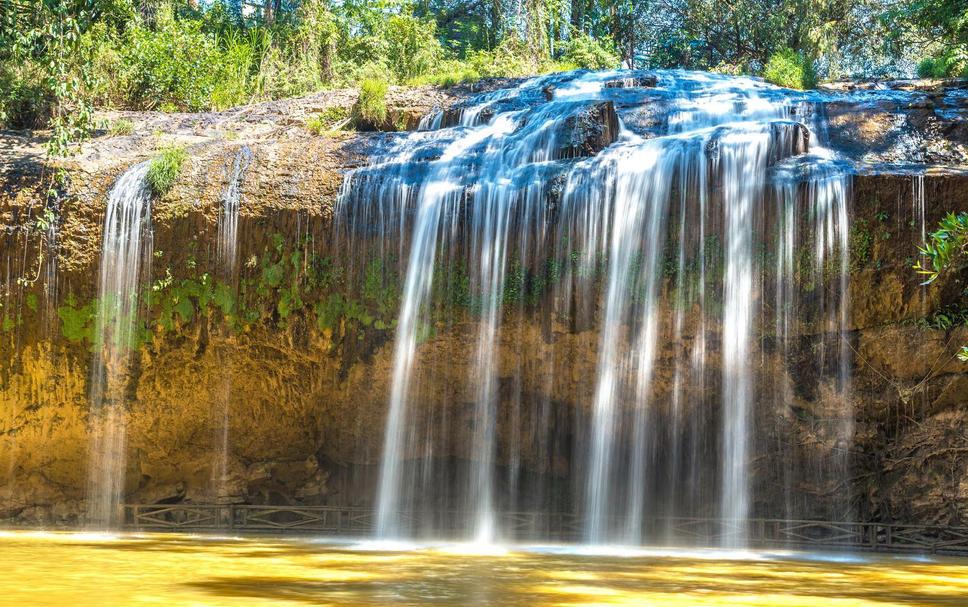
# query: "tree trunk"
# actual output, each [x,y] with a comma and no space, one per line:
[497,19]
[537,34]
[578,16]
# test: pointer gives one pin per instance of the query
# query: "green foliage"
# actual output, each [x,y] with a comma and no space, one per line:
[946,252]
[317,125]
[946,249]
[330,119]
[586,52]
[174,303]
[175,64]
[371,106]
[861,244]
[164,170]
[448,73]
[790,69]
[412,48]
[947,318]
[78,323]
[509,59]
[61,58]
[376,307]
[121,126]
[26,100]
[951,63]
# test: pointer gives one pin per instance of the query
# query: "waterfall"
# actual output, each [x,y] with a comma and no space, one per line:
[813,198]
[125,254]
[228,218]
[227,264]
[917,219]
[671,247]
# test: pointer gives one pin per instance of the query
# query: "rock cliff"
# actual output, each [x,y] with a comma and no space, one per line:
[297,345]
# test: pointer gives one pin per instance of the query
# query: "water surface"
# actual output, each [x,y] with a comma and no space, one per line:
[174,570]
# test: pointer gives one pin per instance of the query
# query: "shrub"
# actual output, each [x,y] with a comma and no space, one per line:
[175,64]
[412,48]
[553,67]
[99,54]
[238,56]
[585,52]
[121,126]
[371,106]
[948,64]
[331,119]
[728,69]
[509,59]
[164,169]
[790,69]
[26,100]
[448,73]
[316,125]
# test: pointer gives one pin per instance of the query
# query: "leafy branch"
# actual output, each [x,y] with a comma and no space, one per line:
[946,252]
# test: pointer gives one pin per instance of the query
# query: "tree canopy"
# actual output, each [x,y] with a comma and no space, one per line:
[61,58]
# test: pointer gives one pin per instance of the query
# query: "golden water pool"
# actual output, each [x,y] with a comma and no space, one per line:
[80,570]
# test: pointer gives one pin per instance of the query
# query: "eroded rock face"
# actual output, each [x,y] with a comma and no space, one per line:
[303,375]
[589,130]
[635,81]
[929,127]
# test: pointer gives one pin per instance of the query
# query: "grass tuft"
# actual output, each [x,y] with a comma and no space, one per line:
[330,120]
[164,170]
[371,106]
[121,126]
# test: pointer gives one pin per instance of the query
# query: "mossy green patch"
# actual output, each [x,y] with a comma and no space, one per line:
[78,323]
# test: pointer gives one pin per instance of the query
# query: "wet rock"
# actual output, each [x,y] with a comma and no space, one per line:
[904,130]
[589,131]
[639,81]
[788,139]
[455,116]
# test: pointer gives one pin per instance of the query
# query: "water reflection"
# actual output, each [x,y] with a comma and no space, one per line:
[85,569]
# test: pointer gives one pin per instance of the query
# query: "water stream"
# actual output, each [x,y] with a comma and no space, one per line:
[227,266]
[545,202]
[125,258]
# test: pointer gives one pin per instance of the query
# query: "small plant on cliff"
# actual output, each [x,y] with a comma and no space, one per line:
[946,249]
[328,121]
[164,169]
[371,106]
[121,126]
[946,253]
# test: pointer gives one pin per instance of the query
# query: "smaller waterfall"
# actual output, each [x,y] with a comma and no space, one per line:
[228,218]
[917,219]
[227,264]
[811,310]
[125,254]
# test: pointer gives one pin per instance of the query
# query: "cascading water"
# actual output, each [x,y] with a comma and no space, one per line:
[125,250]
[227,262]
[556,201]
[812,203]
[228,218]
